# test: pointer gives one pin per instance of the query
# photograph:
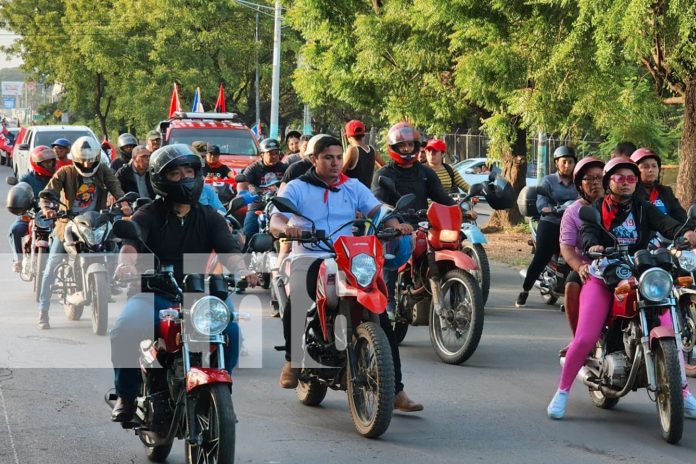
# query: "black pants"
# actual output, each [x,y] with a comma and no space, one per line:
[547,245]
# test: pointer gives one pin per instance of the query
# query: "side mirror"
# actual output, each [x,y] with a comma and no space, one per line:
[23,146]
[130,197]
[285,206]
[387,184]
[475,190]
[140,202]
[590,215]
[11,180]
[492,176]
[128,230]
[404,202]
[49,195]
[240,178]
[235,204]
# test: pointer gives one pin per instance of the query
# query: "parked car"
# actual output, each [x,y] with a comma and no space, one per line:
[476,170]
[238,146]
[6,144]
[33,136]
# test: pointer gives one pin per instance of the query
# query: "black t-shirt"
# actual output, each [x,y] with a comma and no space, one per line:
[295,170]
[169,237]
[262,176]
[419,180]
[221,171]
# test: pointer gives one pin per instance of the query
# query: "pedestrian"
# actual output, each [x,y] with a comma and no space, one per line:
[359,158]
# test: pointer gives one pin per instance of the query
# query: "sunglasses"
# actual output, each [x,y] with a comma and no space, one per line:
[619,179]
[592,180]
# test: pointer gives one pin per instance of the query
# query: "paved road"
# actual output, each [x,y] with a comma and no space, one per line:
[492,409]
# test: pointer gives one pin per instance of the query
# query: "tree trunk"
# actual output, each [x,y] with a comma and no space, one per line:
[515,171]
[686,186]
[101,115]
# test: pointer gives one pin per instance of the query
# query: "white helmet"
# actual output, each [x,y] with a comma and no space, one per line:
[85,150]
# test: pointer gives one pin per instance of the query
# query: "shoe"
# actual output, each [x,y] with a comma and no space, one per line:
[123,410]
[43,320]
[287,379]
[557,406]
[403,403]
[689,406]
[274,309]
[521,299]
[17,267]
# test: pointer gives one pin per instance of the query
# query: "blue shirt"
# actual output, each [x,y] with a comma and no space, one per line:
[210,198]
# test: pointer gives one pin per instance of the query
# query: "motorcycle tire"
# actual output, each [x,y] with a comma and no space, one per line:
[690,364]
[669,397]
[483,275]
[311,393]
[375,372]
[100,303]
[73,312]
[466,344]
[266,280]
[214,412]
[601,401]
[38,275]
[549,298]
[400,331]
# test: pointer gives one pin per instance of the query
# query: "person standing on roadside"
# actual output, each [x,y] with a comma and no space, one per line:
[359,158]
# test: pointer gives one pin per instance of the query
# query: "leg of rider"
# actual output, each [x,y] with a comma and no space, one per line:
[572,299]
[18,229]
[55,255]
[390,281]
[547,240]
[251,225]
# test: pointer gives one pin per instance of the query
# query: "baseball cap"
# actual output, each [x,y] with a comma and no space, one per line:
[154,135]
[200,147]
[354,128]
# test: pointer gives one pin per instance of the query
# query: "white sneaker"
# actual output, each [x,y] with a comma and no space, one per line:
[557,406]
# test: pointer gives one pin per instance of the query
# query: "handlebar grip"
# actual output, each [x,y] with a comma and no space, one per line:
[594,254]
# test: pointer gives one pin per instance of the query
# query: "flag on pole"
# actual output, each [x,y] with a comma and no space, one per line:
[197,104]
[220,103]
[257,130]
[174,104]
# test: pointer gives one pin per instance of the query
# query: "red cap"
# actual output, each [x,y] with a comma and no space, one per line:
[354,128]
[436,145]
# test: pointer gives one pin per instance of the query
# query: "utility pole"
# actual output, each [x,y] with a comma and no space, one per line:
[258,104]
[275,91]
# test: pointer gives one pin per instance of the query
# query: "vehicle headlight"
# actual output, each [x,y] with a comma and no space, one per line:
[687,260]
[210,316]
[449,236]
[364,268]
[655,284]
[100,232]
[87,233]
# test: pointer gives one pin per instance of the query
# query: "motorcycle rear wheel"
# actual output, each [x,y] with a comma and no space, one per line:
[601,401]
[311,393]
[669,397]
[371,389]
[39,270]
[549,298]
[100,304]
[483,275]
[463,312]
[214,412]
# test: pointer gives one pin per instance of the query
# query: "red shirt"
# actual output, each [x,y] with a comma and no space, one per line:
[60,164]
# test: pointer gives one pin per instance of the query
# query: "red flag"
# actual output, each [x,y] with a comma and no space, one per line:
[174,104]
[220,103]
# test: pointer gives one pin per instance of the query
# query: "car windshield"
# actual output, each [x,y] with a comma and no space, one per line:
[230,141]
[48,137]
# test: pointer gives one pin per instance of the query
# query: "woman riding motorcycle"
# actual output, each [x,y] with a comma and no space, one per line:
[632,221]
[649,188]
[587,178]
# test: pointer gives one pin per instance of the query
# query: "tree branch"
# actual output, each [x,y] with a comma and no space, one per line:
[674,100]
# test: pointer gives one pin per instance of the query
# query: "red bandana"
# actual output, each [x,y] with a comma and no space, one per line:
[342,178]
[609,211]
[654,195]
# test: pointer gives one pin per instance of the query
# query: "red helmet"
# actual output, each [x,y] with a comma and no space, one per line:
[436,145]
[614,165]
[582,166]
[403,132]
[40,154]
[355,128]
[644,153]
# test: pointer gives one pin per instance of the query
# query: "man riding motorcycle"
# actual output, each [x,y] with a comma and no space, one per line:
[43,164]
[632,221]
[327,196]
[82,186]
[125,145]
[173,225]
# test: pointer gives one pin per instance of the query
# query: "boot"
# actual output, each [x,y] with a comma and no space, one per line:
[403,403]
[572,305]
[123,410]
[43,320]
[287,379]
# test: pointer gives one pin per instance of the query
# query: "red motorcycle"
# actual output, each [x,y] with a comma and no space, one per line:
[185,389]
[344,347]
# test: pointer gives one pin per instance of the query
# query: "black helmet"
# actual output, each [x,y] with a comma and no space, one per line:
[564,151]
[185,191]
[499,193]
[126,139]
[20,199]
[269,145]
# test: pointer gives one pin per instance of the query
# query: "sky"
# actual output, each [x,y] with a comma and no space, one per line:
[6,38]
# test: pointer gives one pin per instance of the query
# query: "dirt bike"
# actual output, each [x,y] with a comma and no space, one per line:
[344,347]
[185,391]
[638,348]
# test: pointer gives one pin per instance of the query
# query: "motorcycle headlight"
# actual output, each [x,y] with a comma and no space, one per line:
[655,284]
[100,232]
[449,236]
[364,268]
[210,316]
[87,234]
[687,260]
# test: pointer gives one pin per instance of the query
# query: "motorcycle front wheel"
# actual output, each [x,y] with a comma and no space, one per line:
[483,274]
[669,397]
[214,415]
[311,393]
[455,332]
[38,271]
[100,303]
[371,388]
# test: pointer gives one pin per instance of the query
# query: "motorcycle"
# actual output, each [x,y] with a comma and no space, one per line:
[342,331]
[435,287]
[263,247]
[83,278]
[637,349]
[185,391]
[551,282]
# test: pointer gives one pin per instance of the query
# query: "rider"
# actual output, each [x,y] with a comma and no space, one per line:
[173,225]
[293,139]
[650,187]
[559,188]
[213,166]
[331,199]
[587,178]
[62,148]
[632,221]
[451,180]
[125,145]
[83,186]
[359,158]
[43,164]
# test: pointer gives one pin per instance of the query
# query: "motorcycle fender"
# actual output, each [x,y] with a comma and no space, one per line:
[661,332]
[460,259]
[343,288]
[373,299]
[95,268]
[199,376]
[474,235]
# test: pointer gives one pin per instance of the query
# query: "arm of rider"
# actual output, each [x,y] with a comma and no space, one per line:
[543,203]
[235,262]
[574,260]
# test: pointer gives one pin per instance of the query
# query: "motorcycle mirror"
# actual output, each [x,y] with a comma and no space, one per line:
[140,202]
[285,206]
[48,195]
[128,230]
[387,184]
[240,178]
[492,176]
[235,204]
[590,215]
[404,201]
[11,180]
[130,197]
[475,190]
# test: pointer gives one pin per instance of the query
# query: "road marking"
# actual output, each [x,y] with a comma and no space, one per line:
[7,422]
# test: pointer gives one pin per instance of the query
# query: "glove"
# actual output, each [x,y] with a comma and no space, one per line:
[248,196]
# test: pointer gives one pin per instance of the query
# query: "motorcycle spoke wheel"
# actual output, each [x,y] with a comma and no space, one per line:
[483,274]
[214,416]
[669,398]
[100,304]
[455,332]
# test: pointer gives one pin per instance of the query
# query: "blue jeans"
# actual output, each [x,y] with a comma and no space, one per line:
[55,255]
[18,229]
[251,225]
[138,321]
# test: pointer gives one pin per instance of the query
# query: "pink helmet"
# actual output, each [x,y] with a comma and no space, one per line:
[582,167]
[644,153]
[614,165]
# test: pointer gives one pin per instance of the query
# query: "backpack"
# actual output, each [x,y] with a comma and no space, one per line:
[450,171]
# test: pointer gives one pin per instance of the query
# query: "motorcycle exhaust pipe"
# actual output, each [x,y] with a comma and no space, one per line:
[584,375]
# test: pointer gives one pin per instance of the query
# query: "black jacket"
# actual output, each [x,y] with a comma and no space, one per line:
[674,208]
[126,176]
[419,180]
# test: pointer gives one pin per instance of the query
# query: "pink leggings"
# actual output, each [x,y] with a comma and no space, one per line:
[595,303]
